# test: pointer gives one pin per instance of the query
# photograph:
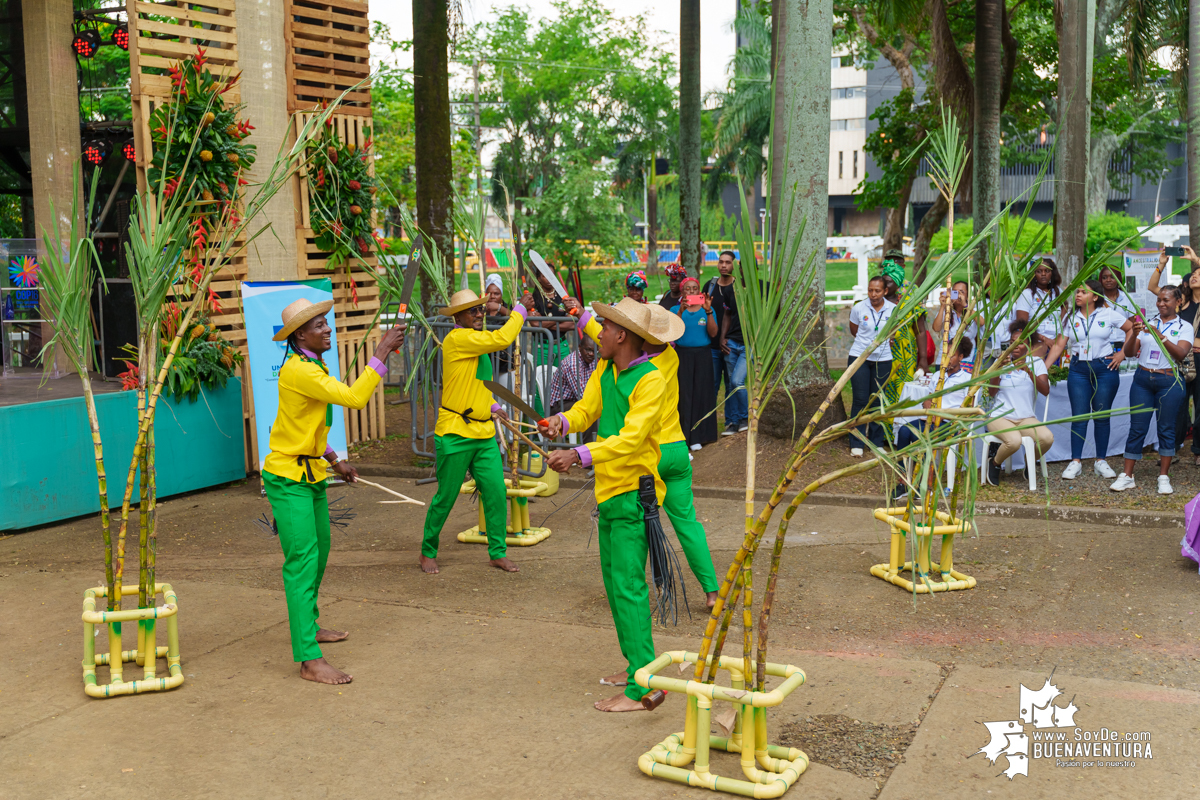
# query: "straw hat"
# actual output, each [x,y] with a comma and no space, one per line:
[298,313]
[461,301]
[642,319]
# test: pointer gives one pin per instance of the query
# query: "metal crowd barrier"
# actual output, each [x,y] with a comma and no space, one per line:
[542,350]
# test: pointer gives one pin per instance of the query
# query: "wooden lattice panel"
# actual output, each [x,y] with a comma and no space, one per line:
[328,52]
[367,423]
[352,319]
[165,33]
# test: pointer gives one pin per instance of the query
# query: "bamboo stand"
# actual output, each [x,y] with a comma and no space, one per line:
[520,532]
[770,770]
[116,657]
[902,521]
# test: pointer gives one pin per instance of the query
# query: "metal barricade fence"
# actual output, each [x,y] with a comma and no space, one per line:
[542,349]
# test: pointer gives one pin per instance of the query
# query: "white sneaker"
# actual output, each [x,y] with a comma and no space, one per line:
[1164,485]
[856,452]
[1103,469]
[1072,471]
[697,446]
[1122,483]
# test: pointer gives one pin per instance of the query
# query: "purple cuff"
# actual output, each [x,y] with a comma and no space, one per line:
[585,455]
[584,319]
[495,407]
[378,366]
[566,424]
[519,308]
[329,451]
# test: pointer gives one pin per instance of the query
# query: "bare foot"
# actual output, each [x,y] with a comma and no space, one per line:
[321,671]
[504,564]
[429,566]
[616,679]
[325,636]
[620,703]
[711,601]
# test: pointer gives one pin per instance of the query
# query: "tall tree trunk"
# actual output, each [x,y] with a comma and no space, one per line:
[1193,119]
[652,223]
[431,105]
[893,228]
[989,80]
[1076,22]
[800,147]
[931,223]
[1103,145]
[690,156]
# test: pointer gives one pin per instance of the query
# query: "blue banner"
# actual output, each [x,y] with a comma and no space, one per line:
[263,303]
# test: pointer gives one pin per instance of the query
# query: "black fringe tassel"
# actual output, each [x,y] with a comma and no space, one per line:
[664,564]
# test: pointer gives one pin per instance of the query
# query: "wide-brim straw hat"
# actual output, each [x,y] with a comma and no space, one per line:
[461,301]
[642,320]
[298,313]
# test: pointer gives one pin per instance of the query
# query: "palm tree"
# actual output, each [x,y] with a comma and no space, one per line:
[431,102]
[989,79]
[690,156]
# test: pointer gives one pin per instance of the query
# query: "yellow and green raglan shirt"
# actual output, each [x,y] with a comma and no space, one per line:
[670,429]
[467,404]
[626,405]
[307,395]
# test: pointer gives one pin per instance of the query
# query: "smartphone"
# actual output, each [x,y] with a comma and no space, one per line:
[696,299]
[954,294]
[1174,251]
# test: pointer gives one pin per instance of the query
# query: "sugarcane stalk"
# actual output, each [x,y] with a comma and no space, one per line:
[89,401]
[747,619]
[143,522]
[726,618]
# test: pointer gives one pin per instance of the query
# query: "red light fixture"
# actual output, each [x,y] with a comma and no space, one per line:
[96,152]
[120,37]
[87,42]
[129,150]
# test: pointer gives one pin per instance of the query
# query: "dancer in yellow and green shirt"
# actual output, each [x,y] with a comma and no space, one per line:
[675,468]
[624,396]
[294,471]
[465,434]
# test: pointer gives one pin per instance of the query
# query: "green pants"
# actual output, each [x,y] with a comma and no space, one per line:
[455,454]
[675,468]
[623,554]
[301,512]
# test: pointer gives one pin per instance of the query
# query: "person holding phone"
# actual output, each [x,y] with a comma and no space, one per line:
[1014,401]
[867,318]
[959,298]
[1092,381]
[1041,291]
[697,395]
[1159,345]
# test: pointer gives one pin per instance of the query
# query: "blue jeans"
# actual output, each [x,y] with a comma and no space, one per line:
[737,407]
[1160,393]
[1092,386]
[868,380]
[721,374]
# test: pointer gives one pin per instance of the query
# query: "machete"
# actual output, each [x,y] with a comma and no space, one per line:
[544,269]
[509,397]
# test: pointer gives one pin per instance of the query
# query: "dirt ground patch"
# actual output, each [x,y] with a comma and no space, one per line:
[866,749]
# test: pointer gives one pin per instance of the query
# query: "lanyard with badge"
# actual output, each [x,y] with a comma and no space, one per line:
[1155,354]
[876,320]
[1087,334]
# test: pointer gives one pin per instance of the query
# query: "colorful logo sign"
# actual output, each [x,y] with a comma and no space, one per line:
[23,272]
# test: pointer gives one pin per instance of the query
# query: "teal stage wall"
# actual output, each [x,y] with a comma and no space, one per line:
[48,466]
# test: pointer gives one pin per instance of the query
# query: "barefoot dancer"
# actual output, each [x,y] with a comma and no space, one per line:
[625,395]
[465,434]
[294,471]
[675,466]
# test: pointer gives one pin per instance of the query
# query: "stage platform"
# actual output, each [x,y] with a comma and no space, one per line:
[49,463]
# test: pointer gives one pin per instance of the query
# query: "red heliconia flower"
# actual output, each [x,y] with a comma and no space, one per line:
[320,177]
[230,83]
[200,57]
[214,301]
[242,181]
[161,132]
[129,378]
[355,185]
[368,143]
[336,227]
[234,219]
[353,286]
[170,187]
[244,127]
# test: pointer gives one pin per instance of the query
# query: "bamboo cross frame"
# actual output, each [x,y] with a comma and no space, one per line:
[512,427]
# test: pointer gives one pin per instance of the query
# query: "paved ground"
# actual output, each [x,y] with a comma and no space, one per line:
[474,683]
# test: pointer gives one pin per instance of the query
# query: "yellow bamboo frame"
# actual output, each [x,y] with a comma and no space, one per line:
[115,658]
[520,532]
[770,770]
[902,522]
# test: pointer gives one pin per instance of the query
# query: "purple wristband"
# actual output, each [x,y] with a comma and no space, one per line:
[378,366]
[566,423]
[495,407]
[518,308]
[584,319]
[585,455]
[329,451]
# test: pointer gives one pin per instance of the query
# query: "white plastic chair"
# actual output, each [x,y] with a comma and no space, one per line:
[1027,443]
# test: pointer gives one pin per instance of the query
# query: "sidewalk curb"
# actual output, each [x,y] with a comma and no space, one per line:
[1091,516]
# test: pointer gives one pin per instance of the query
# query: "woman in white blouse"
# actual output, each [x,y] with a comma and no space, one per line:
[1043,288]
[1014,394]
[959,298]
[1093,381]
[1159,345]
[867,318]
